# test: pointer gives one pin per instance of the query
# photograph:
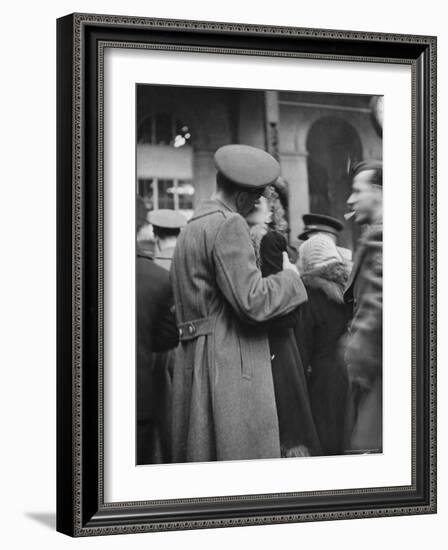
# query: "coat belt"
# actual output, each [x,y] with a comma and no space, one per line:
[197,327]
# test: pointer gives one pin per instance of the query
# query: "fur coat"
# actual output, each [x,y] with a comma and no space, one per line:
[321,325]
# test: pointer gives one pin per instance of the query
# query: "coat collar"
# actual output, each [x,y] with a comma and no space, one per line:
[331,278]
[142,253]
[165,254]
[209,206]
[371,233]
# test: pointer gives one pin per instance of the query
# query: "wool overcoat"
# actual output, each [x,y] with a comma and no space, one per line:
[364,350]
[223,396]
[365,292]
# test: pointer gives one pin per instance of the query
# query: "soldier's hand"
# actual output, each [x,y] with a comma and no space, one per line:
[288,265]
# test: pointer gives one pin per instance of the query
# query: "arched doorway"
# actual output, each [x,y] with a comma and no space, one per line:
[333,147]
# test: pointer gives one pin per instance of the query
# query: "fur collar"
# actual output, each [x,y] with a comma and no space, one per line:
[330,277]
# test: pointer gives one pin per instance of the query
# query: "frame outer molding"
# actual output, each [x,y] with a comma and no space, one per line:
[70,203]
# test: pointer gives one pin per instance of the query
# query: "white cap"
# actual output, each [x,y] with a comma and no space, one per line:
[319,250]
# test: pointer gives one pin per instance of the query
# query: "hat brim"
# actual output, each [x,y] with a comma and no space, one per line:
[306,233]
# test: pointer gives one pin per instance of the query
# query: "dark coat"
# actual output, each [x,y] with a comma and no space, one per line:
[321,324]
[364,347]
[156,333]
[223,394]
[156,324]
[295,419]
[163,379]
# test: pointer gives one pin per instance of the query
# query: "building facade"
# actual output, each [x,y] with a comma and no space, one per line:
[316,137]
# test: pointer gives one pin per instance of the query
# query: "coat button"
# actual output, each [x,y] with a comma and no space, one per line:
[181,332]
[191,329]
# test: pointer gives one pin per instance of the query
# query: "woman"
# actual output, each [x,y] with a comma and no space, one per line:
[298,435]
[322,323]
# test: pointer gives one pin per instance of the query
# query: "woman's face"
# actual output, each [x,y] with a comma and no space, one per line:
[261,214]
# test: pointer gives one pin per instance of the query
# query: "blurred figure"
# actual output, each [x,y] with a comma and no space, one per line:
[298,436]
[166,226]
[223,395]
[377,113]
[364,346]
[322,321]
[156,332]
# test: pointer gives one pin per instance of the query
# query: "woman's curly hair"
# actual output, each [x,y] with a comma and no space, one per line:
[278,222]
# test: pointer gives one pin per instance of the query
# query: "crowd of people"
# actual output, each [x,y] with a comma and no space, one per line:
[247,348]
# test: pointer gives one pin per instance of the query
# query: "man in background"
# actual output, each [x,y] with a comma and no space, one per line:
[156,333]
[166,226]
[364,291]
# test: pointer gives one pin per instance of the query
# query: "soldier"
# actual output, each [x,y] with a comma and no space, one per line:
[166,225]
[156,333]
[364,292]
[223,396]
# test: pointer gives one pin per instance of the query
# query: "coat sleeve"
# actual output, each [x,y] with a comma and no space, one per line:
[166,335]
[253,298]
[364,342]
[285,321]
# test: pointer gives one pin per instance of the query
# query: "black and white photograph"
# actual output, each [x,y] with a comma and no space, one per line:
[222,242]
[259,258]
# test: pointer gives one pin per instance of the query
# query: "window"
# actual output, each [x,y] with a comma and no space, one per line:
[164,129]
[167,193]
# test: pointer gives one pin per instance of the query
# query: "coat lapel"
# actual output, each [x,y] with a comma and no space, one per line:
[208,207]
[359,254]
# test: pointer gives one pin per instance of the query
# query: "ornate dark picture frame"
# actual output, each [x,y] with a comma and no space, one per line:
[81,509]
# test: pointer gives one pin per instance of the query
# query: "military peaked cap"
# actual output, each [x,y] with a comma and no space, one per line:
[167,219]
[247,166]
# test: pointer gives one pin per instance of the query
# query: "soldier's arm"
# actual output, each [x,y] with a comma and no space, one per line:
[252,297]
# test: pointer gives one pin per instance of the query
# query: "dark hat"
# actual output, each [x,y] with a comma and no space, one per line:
[320,222]
[167,219]
[247,166]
